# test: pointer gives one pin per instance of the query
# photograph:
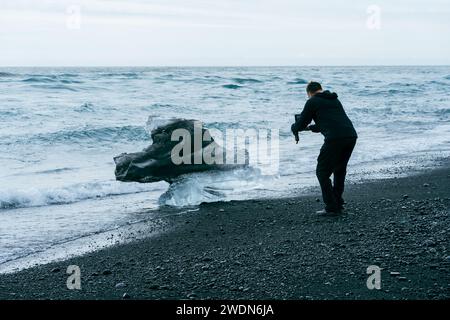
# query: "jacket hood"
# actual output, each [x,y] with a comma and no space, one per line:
[327,95]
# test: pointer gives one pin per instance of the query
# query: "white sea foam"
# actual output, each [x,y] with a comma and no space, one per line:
[196,188]
[41,196]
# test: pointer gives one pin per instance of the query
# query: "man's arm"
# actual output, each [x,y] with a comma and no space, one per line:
[305,118]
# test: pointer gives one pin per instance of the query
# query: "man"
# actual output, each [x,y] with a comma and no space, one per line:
[340,138]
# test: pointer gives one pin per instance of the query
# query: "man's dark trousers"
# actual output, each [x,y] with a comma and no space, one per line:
[333,158]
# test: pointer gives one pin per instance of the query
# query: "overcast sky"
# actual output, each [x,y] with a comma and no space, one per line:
[225,32]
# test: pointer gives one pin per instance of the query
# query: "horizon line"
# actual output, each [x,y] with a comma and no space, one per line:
[225,66]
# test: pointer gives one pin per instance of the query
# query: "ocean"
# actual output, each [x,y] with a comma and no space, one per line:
[61,127]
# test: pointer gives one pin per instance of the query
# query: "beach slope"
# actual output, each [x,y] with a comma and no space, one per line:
[275,249]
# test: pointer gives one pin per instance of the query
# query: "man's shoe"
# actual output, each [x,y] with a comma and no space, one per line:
[341,203]
[325,212]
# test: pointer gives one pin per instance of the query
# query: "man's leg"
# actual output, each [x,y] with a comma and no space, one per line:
[340,170]
[325,165]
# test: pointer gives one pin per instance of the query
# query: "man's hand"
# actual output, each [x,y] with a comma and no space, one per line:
[295,132]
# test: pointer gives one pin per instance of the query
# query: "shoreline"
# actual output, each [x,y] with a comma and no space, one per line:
[274,249]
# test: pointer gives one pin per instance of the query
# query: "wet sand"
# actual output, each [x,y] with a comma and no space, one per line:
[274,249]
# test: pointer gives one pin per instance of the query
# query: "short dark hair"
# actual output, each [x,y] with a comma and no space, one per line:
[313,87]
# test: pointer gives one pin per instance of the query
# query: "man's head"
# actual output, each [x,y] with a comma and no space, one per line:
[312,88]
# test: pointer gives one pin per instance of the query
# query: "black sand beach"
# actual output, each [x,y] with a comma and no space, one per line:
[275,249]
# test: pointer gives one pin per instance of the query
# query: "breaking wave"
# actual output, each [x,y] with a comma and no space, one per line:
[33,197]
[212,186]
[188,190]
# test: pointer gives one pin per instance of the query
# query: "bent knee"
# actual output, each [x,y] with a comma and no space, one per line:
[322,174]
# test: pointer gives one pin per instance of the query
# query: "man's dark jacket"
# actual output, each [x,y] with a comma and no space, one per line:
[329,117]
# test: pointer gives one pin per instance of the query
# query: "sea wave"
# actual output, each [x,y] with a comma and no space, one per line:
[388,92]
[298,81]
[7,74]
[9,113]
[372,110]
[57,87]
[231,86]
[445,112]
[246,80]
[41,79]
[42,172]
[127,75]
[264,124]
[85,107]
[33,197]
[103,134]
[69,75]
[69,81]
[56,79]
